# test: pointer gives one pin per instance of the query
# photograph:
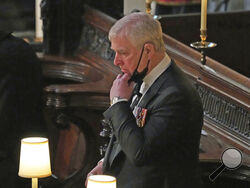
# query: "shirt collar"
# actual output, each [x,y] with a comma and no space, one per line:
[154,74]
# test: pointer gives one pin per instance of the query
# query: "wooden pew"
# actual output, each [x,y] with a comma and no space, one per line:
[77,92]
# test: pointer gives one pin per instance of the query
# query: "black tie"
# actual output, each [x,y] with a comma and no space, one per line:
[137,96]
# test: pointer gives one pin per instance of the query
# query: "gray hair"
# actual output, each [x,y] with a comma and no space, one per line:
[139,28]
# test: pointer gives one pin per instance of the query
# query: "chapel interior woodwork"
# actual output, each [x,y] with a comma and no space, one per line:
[229,30]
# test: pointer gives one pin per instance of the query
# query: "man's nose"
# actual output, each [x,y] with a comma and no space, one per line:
[117,60]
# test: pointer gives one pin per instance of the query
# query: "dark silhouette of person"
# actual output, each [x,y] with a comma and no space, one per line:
[20,104]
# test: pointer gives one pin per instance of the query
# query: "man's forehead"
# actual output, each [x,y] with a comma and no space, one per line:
[119,48]
[119,45]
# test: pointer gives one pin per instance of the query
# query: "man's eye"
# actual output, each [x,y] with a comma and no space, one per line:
[119,53]
[123,53]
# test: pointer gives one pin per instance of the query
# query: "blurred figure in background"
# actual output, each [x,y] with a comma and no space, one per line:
[177,6]
[228,5]
[20,104]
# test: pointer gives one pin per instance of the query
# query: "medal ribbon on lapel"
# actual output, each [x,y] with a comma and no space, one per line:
[140,116]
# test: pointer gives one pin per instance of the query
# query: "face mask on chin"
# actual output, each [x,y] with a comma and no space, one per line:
[137,77]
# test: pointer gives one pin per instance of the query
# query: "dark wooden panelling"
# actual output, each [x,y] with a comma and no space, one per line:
[229,30]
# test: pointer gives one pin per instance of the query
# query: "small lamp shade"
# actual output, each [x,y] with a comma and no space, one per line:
[34,158]
[101,181]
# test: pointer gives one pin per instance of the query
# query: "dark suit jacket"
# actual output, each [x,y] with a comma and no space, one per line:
[164,153]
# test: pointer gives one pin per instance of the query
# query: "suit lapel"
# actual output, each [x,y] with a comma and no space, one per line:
[155,87]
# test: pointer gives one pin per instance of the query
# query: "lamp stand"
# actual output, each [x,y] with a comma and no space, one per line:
[34,182]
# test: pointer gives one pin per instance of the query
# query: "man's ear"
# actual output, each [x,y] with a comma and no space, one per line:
[149,49]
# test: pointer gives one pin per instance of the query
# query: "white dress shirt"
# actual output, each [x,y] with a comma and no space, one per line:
[154,74]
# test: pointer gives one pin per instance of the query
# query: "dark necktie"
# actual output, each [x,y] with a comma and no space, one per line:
[137,96]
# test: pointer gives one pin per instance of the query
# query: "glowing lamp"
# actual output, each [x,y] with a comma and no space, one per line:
[101,181]
[34,159]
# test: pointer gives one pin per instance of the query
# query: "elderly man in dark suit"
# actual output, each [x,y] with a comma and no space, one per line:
[155,143]
[20,104]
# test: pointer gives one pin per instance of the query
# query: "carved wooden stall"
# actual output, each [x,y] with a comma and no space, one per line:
[77,92]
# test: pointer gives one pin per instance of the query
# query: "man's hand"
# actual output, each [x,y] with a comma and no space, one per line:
[121,87]
[95,171]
